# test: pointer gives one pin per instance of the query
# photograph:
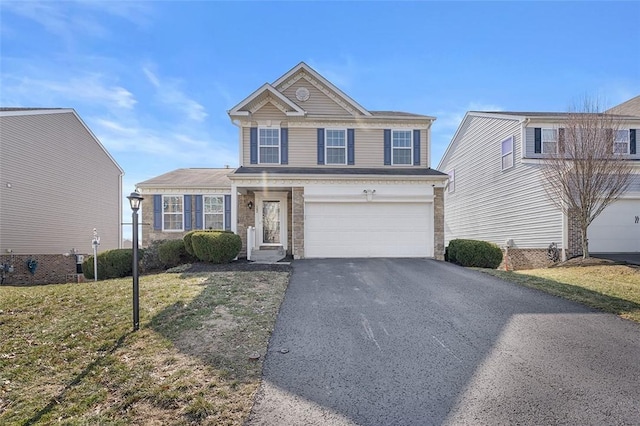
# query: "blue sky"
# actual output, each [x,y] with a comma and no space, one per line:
[154,80]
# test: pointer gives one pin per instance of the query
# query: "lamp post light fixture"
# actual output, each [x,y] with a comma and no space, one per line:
[95,243]
[135,199]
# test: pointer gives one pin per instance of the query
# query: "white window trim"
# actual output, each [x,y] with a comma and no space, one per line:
[279,146]
[451,185]
[404,148]
[181,214]
[542,141]
[204,213]
[502,156]
[326,147]
[627,141]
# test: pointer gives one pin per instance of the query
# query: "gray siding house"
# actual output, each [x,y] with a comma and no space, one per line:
[57,183]
[495,192]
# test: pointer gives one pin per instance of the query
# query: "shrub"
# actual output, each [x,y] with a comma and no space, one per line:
[172,253]
[188,245]
[216,246]
[479,254]
[111,264]
[150,260]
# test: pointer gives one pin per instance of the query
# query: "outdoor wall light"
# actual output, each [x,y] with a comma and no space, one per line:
[250,205]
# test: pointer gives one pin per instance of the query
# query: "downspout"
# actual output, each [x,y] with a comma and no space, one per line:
[120,211]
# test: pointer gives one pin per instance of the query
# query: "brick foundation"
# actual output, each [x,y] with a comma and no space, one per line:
[51,269]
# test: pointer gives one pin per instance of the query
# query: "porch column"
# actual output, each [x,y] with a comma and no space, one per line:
[297,217]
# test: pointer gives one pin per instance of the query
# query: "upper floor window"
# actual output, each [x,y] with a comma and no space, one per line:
[507,153]
[269,145]
[172,212]
[401,147]
[549,141]
[336,146]
[213,210]
[621,142]
[452,180]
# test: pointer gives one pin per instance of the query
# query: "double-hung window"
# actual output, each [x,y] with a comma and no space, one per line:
[269,145]
[172,213]
[507,153]
[549,141]
[401,147]
[213,210]
[335,146]
[621,142]
[452,181]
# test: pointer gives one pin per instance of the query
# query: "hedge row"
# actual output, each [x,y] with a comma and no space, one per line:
[473,253]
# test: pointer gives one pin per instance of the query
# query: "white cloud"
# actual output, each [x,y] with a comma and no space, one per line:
[170,94]
[28,91]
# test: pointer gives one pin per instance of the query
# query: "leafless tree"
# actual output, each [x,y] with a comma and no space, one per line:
[588,169]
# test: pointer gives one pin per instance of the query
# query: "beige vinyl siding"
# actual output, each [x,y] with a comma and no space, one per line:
[491,204]
[268,112]
[318,103]
[63,185]
[369,148]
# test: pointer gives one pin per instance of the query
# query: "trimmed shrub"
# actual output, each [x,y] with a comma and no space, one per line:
[479,254]
[111,264]
[172,253]
[187,242]
[216,246]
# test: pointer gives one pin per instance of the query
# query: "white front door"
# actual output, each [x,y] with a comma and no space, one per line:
[271,219]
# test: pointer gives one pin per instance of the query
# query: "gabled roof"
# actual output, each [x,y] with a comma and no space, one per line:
[303,67]
[191,178]
[18,111]
[266,88]
[630,107]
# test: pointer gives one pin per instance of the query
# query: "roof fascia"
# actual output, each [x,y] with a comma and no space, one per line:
[324,81]
[235,111]
[36,112]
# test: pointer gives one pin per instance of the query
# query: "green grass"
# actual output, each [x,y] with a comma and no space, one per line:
[610,288]
[68,355]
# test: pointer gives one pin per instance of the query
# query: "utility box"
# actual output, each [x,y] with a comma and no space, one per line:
[79,260]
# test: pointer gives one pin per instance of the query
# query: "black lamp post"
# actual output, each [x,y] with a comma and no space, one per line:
[135,199]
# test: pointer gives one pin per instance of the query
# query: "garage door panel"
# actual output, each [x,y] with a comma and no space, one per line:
[615,229]
[368,230]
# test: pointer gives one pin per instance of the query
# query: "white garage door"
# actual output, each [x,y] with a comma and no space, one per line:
[617,229]
[368,230]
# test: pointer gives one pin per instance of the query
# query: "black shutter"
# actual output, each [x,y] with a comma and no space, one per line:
[387,147]
[284,146]
[560,140]
[253,145]
[632,137]
[320,146]
[416,147]
[351,147]
[537,140]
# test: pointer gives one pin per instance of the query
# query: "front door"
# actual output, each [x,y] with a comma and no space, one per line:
[271,219]
[271,222]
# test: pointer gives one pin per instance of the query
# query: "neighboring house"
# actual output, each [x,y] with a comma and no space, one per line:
[321,176]
[57,183]
[184,200]
[495,192]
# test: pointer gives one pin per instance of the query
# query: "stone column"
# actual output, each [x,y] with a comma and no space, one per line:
[298,222]
[438,223]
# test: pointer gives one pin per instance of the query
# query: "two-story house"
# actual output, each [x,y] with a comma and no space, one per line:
[321,176]
[57,183]
[495,191]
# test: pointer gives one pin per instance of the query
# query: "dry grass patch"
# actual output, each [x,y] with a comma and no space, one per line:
[608,287]
[68,355]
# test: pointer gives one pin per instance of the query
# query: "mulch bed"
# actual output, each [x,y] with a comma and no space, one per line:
[591,261]
[241,265]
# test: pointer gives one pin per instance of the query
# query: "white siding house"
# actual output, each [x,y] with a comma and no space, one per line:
[495,191]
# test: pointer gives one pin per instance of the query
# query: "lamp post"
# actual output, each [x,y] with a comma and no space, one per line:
[95,243]
[135,199]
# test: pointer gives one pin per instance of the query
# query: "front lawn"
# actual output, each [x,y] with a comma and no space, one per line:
[611,288]
[67,353]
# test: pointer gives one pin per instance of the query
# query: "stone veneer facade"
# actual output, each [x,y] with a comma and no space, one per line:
[438,223]
[297,232]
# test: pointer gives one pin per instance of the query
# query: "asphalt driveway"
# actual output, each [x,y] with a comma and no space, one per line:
[421,342]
